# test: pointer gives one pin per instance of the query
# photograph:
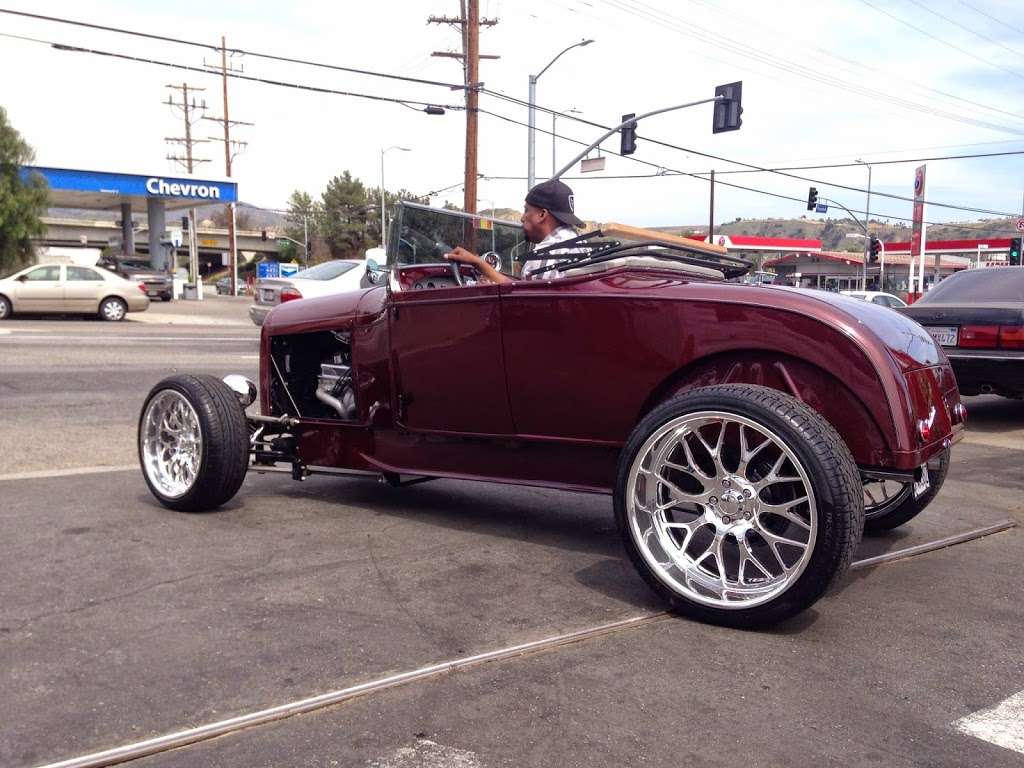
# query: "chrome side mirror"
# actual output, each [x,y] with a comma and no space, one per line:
[243,388]
[493,260]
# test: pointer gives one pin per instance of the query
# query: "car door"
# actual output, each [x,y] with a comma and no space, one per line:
[448,361]
[40,290]
[82,288]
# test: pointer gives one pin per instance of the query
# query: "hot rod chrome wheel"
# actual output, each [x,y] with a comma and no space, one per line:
[193,443]
[170,443]
[722,509]
[882,496]
[738,504]
[889,504]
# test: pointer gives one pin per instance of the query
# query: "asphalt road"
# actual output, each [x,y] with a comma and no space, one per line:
[120,620]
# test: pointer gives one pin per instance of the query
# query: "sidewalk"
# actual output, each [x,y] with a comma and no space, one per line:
[212,310]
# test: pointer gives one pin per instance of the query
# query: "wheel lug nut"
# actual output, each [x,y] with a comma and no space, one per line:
[725,483]
[747,515]
[727,519]
[713,499]
[748,493]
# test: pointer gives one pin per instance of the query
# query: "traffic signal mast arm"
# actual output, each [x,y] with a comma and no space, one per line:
[834,202]
[625,123]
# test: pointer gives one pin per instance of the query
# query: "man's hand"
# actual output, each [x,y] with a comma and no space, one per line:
[462,256]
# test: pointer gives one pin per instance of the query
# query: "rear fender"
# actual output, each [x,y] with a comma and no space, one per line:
[805,381]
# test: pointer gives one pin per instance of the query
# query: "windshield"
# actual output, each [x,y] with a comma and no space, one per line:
[326,271]
[421,235]
[979,285]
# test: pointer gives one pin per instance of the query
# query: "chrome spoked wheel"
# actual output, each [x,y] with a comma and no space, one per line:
[882,496]
[171,443]
[721,509]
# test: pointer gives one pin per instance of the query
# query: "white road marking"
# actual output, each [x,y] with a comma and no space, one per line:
[424,754]
[133,339]
[66,472]
[1002,725]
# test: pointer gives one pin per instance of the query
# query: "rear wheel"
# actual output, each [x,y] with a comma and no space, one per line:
[193,443]
[889,504]
[113,309]
[738,504]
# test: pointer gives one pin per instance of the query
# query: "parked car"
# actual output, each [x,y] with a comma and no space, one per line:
[60,288]
[224,287]
[877,297]
[977,315]
[157,284]
[747,434]
[336,276]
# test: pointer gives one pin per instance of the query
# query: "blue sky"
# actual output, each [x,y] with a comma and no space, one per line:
[835,80]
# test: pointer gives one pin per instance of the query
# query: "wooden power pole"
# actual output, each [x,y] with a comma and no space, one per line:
[188,108]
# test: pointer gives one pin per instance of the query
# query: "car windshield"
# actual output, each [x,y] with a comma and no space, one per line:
[979,285]
[326,271]
[422,235]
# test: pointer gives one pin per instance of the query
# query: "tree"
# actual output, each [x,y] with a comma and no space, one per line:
[22,201]
[346,213]
[303,217]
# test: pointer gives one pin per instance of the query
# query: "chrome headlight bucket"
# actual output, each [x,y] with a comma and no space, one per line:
[244,389]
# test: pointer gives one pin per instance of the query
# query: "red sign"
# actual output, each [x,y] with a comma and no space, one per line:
[918,228]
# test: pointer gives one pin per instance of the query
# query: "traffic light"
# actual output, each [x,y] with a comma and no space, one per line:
[812,198]
[184,223]
[728,110]
[628,131]
[1015,249]
[874,249]
[263,235]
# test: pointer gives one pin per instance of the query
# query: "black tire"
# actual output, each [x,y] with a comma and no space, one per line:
[166,297]
[113,309]
[827,465]
[902,506]
[5,307]
[224,440]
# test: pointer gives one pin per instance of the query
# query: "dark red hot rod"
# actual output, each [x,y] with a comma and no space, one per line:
[747,434]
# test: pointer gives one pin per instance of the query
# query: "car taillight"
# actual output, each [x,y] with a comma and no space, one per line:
[979,336]
[142,287]
[289,294]
[1011,336]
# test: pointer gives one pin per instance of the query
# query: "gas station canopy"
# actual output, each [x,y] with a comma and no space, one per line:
[101,190]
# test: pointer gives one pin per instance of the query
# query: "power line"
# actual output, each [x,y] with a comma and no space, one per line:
[704,35]
[940,40]
[236,75]
[961,25]
[757,168]
[998,21]
[665,171]
[214,47]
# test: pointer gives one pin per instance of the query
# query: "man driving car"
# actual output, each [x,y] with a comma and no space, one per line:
[548,218]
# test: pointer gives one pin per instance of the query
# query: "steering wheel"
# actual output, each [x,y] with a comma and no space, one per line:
[456,273]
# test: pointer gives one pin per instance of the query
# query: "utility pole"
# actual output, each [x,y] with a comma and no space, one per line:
[711,223]
[188,162]
[468,24]
[231,148]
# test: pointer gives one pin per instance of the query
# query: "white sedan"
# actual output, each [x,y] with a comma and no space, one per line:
[877,297]
[71,288]
[336,276]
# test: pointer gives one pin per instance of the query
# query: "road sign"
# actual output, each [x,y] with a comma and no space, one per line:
[1020,225]
[287,270]
[821,208]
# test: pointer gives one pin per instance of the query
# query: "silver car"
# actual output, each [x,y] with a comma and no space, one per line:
[70,288]
[336,276]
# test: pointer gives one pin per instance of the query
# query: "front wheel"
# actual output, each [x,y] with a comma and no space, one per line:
[888,504]
[738,504]
[193,443]
[5,307]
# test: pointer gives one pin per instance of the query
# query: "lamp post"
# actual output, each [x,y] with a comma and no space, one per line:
[867,222]
[531,137]
[554,117]
[383,221]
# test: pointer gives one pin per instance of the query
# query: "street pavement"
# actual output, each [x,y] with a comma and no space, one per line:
[120,620]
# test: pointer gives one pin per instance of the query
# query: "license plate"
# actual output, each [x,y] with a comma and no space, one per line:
[945,335]
[921,486]
[268,295]
[153,293]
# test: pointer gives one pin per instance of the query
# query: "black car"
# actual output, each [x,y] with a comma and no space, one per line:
[978,317]
[158,284]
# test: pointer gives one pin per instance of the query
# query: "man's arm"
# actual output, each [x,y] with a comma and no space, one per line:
[463,256]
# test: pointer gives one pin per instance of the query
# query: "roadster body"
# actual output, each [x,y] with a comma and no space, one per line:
[747,434]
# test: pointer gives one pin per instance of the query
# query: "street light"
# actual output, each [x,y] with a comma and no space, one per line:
[383,221]
[867,222]
[531,173]
[554,116]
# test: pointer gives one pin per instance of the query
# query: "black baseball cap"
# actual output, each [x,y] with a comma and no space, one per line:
[557,199]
